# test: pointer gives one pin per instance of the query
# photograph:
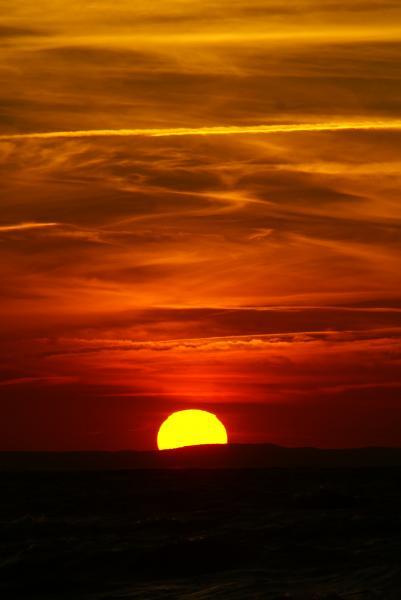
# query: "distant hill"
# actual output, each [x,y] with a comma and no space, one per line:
[232,456]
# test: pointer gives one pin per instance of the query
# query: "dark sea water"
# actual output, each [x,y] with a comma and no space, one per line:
[308,534]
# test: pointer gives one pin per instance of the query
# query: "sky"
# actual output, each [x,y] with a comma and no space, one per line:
[200,208]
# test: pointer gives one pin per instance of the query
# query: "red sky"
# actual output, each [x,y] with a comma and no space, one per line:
[238,253]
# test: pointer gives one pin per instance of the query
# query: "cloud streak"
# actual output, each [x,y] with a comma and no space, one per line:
[25,226]
[382,125]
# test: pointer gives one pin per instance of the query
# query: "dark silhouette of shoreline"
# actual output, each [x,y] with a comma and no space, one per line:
[231,456]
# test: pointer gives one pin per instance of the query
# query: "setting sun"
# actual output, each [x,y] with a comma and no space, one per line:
[191,428]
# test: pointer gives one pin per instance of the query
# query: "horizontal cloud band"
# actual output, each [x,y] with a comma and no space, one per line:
[216,130]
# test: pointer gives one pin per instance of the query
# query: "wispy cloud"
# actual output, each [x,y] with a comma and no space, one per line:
[42,380]
[24,226]
[260,342]
[391,124]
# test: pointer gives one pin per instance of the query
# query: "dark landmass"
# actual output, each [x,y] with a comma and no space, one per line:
[232,456]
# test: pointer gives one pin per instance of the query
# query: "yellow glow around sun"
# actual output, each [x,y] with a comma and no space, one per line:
[191,428]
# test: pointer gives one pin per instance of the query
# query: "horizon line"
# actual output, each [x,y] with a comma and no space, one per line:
[217,445]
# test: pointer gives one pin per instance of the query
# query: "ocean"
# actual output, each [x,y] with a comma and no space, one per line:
[279,534]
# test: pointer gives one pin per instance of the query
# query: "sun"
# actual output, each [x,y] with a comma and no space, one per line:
[190,428]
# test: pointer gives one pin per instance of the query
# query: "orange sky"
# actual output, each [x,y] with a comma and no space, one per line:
[236,248]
